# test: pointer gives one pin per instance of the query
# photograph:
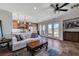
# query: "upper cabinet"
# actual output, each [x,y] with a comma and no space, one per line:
[19,25]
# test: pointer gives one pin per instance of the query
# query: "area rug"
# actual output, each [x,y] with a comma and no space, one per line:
[41,52]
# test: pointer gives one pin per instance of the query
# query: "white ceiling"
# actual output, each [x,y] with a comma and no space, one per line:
[43,11]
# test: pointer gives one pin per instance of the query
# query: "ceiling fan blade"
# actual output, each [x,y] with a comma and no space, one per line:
[63,9]
[64,5]
[52,5]
[57,4]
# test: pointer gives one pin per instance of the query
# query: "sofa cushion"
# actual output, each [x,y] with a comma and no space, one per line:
[24,36]
[14,39]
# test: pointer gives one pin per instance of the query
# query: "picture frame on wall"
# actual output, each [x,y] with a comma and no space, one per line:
[71,23]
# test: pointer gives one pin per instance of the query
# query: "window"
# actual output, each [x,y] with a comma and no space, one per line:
[43,29]
[49,29]
[31,28]
[56,30]
[40,29]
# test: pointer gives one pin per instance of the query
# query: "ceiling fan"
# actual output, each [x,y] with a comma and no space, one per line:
[59,8]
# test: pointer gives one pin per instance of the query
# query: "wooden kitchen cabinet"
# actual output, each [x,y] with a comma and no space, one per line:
[19,25]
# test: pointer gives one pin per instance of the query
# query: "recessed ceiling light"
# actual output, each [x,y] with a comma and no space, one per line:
[34,8]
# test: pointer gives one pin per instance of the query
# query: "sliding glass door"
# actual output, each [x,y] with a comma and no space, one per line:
[40,29]
[49,29]
[44,29]
[56,29]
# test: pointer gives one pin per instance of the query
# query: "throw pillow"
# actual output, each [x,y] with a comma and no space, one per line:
[21,37]
[18,38]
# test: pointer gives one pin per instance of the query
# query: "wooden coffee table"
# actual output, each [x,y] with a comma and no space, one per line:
[33,46]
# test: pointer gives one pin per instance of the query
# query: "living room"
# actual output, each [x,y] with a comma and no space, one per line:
[39,29]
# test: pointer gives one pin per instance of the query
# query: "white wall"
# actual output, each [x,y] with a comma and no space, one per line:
[69,15]
[6,18]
